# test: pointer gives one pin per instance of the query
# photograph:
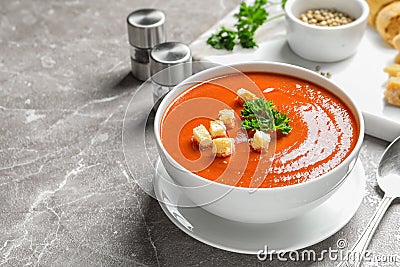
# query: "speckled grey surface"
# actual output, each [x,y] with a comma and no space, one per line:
[66,196]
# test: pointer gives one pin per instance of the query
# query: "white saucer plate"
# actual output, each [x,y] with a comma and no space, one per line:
[300,232]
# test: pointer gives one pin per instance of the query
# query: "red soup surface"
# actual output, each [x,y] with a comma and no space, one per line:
[324,130]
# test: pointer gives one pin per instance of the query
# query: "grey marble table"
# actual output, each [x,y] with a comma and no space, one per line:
[66,198]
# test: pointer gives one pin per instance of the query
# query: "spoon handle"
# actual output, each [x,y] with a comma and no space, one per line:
[355,256]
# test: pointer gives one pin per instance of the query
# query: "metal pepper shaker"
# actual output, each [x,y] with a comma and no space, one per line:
[145,30]
[171,63]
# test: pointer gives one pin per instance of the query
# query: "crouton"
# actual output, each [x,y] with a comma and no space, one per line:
[245,95]
[260,141]
[217,129]
[392,93]
[202,137]
[223,147]
[227,116]
[393,70]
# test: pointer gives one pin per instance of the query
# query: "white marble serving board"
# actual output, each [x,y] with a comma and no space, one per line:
[361,75]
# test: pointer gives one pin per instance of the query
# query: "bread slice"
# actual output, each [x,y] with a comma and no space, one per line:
[388,21]
[392,93]
[397,58]
[374,7]
[396,44]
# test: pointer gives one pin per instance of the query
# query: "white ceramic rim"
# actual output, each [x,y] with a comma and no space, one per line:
[354,153]
[357,21]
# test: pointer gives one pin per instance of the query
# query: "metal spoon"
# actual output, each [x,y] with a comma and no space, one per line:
[388,177]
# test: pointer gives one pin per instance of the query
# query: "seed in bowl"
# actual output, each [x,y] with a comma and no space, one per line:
[325,17]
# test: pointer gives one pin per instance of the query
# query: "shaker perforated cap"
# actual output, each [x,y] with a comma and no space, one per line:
[146,28]
[170,63]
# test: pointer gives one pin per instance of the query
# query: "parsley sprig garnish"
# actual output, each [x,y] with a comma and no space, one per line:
[262,115]
[249,19]
[283,3]
[224,39]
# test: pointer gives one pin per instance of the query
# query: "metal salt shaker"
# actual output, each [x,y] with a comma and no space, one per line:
[145,30]
[171,63]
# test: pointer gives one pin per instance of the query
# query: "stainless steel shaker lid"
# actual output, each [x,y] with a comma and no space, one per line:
[170,63]
[146,28]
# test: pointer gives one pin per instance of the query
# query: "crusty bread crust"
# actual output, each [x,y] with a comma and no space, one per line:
[388,21]
[374,7]
[396,42]
[397,58]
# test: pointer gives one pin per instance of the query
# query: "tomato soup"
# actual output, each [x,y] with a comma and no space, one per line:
[324,131]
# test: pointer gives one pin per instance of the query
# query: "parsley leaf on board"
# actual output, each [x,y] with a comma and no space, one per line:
[249,19]
[262,115]
[283,3]
[224,39]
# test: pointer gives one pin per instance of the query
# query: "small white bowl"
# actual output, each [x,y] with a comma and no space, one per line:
[265,204]
[325,44]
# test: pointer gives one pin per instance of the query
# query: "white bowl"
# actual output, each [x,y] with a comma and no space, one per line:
[264,204]
[325,44]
